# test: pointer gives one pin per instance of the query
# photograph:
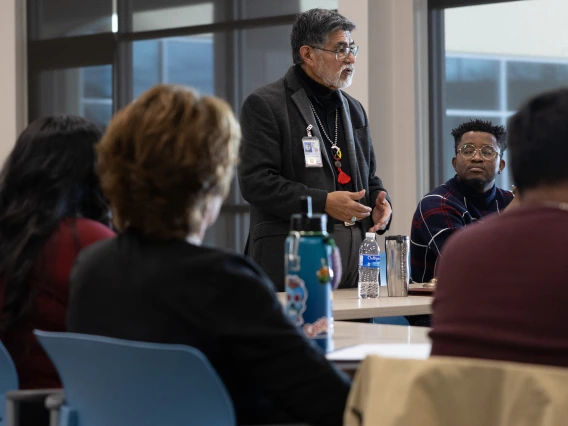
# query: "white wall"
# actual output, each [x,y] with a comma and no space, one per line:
[12,74]
[390,81]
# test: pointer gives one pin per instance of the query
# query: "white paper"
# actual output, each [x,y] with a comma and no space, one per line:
[387,350]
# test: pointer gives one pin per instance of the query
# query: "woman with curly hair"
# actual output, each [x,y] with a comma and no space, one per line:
[51,206]
[166,164]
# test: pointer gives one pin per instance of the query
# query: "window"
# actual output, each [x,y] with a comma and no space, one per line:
[86,57]
[180,60]
[488,71]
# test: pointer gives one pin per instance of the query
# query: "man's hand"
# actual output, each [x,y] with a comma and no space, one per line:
[381,213]
[343,205]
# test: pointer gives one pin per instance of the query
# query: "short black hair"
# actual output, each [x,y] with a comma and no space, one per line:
[313,27]
[538,136]
[481,126]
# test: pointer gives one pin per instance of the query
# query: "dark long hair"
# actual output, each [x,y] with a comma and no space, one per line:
[48,176]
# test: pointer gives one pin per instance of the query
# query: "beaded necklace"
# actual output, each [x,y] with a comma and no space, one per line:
[342,177]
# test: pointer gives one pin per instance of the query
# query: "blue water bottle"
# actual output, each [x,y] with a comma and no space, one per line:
[309,275]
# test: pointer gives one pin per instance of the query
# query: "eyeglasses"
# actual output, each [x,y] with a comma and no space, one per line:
[342,53]
[487,152]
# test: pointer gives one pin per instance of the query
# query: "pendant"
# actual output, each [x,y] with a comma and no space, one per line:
[342,177]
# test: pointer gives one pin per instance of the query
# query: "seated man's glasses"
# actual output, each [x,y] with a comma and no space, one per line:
[342,53]
[487,151]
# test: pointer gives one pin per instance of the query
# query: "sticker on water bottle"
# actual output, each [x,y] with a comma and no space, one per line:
[318,328]
[370,260]
[296,296]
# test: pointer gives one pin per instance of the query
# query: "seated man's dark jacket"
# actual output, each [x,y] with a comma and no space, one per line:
[134,288]
[446,209]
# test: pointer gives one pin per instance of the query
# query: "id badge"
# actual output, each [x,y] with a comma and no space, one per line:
[312,151]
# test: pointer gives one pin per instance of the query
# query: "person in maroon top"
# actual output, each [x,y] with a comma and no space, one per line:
[503,284]
[51,206]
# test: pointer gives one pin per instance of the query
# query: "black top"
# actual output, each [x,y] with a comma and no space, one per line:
[133,288]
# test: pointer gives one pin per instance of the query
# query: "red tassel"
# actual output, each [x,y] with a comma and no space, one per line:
[342,177]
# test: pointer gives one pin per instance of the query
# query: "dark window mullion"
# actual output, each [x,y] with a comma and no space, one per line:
[446,4]
[437,107]
[70,52]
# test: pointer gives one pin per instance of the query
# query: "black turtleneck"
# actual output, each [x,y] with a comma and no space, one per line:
[326,101]
[481,200]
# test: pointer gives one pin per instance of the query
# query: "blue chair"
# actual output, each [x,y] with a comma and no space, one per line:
[110,382]
[8,380]
[12,400]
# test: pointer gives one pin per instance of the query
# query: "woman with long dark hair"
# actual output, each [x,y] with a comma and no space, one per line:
[51,206]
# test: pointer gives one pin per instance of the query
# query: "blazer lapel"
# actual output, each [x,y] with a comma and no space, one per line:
[350,142]
[302,102]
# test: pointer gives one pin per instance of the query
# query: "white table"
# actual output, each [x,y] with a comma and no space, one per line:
[348,306]
[357,333]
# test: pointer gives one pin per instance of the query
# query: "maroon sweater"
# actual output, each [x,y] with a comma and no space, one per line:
[49,311]
[502,289]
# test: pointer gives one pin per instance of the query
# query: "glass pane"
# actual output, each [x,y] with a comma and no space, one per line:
[261,8]
[146,65]
[525,79]
[472,83]
[64,18]
[98,112]
[83,91]
[266,56]
[193,64]
[148,15]
[491,72]
[178,60]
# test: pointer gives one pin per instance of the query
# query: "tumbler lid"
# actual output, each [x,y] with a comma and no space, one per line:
[397,238]
[306,221]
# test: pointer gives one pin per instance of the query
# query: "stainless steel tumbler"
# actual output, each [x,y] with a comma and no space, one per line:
[397,250]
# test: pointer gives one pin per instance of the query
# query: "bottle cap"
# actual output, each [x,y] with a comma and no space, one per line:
[306,221]
[370,235]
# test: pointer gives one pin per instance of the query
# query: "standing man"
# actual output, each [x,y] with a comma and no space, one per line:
[302,135]
[464,199]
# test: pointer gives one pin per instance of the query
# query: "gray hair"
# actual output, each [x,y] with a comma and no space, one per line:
[313,27]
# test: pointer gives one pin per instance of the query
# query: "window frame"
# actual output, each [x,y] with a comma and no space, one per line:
[436,80]
[114,48]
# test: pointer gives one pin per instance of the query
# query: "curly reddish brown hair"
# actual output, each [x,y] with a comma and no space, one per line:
[164,156]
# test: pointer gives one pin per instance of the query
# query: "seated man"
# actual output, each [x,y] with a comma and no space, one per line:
[166,164]
[503,286]
[467,197]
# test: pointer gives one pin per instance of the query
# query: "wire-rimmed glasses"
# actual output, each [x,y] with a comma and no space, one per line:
[487,151]
[342,53]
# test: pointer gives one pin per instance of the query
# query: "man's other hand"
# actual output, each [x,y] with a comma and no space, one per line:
[381,213]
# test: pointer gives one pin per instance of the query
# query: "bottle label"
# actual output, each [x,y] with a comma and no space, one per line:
[370,260]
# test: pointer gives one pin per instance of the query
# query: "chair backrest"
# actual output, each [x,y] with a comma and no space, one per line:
[445,391]
[8,379]
[120,382]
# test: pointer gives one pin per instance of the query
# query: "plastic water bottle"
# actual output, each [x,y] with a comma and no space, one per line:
[369,262]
